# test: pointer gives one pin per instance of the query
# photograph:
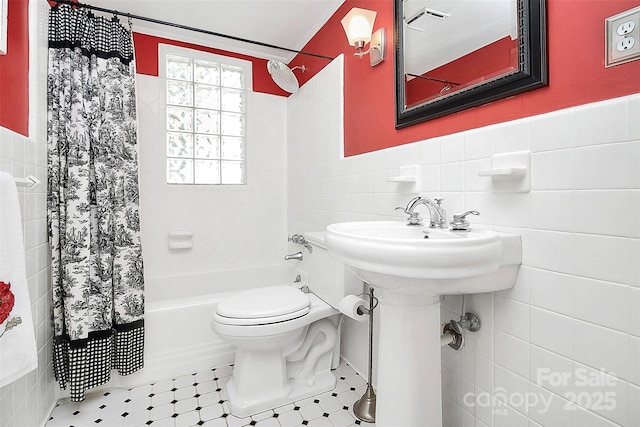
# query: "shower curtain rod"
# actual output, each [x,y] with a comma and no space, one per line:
[186,27]
[433,79]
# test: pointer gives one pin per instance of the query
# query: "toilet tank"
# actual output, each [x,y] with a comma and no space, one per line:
[328,278]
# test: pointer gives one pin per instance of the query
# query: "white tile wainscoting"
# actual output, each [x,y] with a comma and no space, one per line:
[27,401]
[568,333]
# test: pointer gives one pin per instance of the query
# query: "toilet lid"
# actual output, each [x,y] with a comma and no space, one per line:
[264,305]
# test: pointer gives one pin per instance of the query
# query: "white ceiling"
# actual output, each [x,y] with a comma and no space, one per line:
[286,23]
[471,25]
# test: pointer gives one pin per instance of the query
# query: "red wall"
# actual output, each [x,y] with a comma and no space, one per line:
[14,70]
[576,75]
[14,67]
[146,48]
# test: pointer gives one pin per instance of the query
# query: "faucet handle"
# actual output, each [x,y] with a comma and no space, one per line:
[414,216]
[460,222]
[464,215]
[439,201]
[300,240]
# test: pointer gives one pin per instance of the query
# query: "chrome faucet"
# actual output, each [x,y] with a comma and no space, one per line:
[436,212]
[297,256]
[299,239]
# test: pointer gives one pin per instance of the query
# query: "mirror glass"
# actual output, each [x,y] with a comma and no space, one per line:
[456,54]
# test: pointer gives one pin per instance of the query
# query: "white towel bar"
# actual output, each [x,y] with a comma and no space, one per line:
[29,182]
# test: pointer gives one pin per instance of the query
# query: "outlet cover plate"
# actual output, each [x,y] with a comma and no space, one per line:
[622,37]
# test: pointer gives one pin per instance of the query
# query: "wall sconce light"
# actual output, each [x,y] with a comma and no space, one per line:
[358,24]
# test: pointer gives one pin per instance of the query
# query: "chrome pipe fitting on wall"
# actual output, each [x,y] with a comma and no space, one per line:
[455,330]
[300,240]
[452,335]
[470,322]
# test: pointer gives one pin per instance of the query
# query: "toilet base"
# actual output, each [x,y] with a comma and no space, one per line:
[293,391]
[264,380]
[283,362]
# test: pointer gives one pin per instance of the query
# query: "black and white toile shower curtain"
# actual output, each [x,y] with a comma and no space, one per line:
[93,219]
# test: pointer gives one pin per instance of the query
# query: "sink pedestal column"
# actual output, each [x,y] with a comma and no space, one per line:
[408,382]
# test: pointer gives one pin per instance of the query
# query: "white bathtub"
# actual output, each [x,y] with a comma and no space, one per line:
[178,336]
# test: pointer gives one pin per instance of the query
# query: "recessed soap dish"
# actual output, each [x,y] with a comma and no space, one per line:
[504,173]
[510,172]
[408,179]
[179,239]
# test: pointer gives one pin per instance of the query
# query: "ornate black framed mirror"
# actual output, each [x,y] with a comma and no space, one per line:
[452,55]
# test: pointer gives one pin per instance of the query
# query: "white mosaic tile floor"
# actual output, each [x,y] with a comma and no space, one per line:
[199,400]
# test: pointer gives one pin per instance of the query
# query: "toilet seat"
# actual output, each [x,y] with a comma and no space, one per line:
[263,306]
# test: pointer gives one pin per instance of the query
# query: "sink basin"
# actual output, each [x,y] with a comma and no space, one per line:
[411,266]
[391,254]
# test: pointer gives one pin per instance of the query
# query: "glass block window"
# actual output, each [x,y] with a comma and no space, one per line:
[205,119]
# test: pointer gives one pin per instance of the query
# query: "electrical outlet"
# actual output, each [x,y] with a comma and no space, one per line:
[625,43]
[622,33]
[626,27]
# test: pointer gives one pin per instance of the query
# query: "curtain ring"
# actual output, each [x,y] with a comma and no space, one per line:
[130,23]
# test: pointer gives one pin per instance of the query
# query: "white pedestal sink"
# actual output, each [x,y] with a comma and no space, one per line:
[412,266]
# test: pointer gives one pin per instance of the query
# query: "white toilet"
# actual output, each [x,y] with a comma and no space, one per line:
[287,341]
